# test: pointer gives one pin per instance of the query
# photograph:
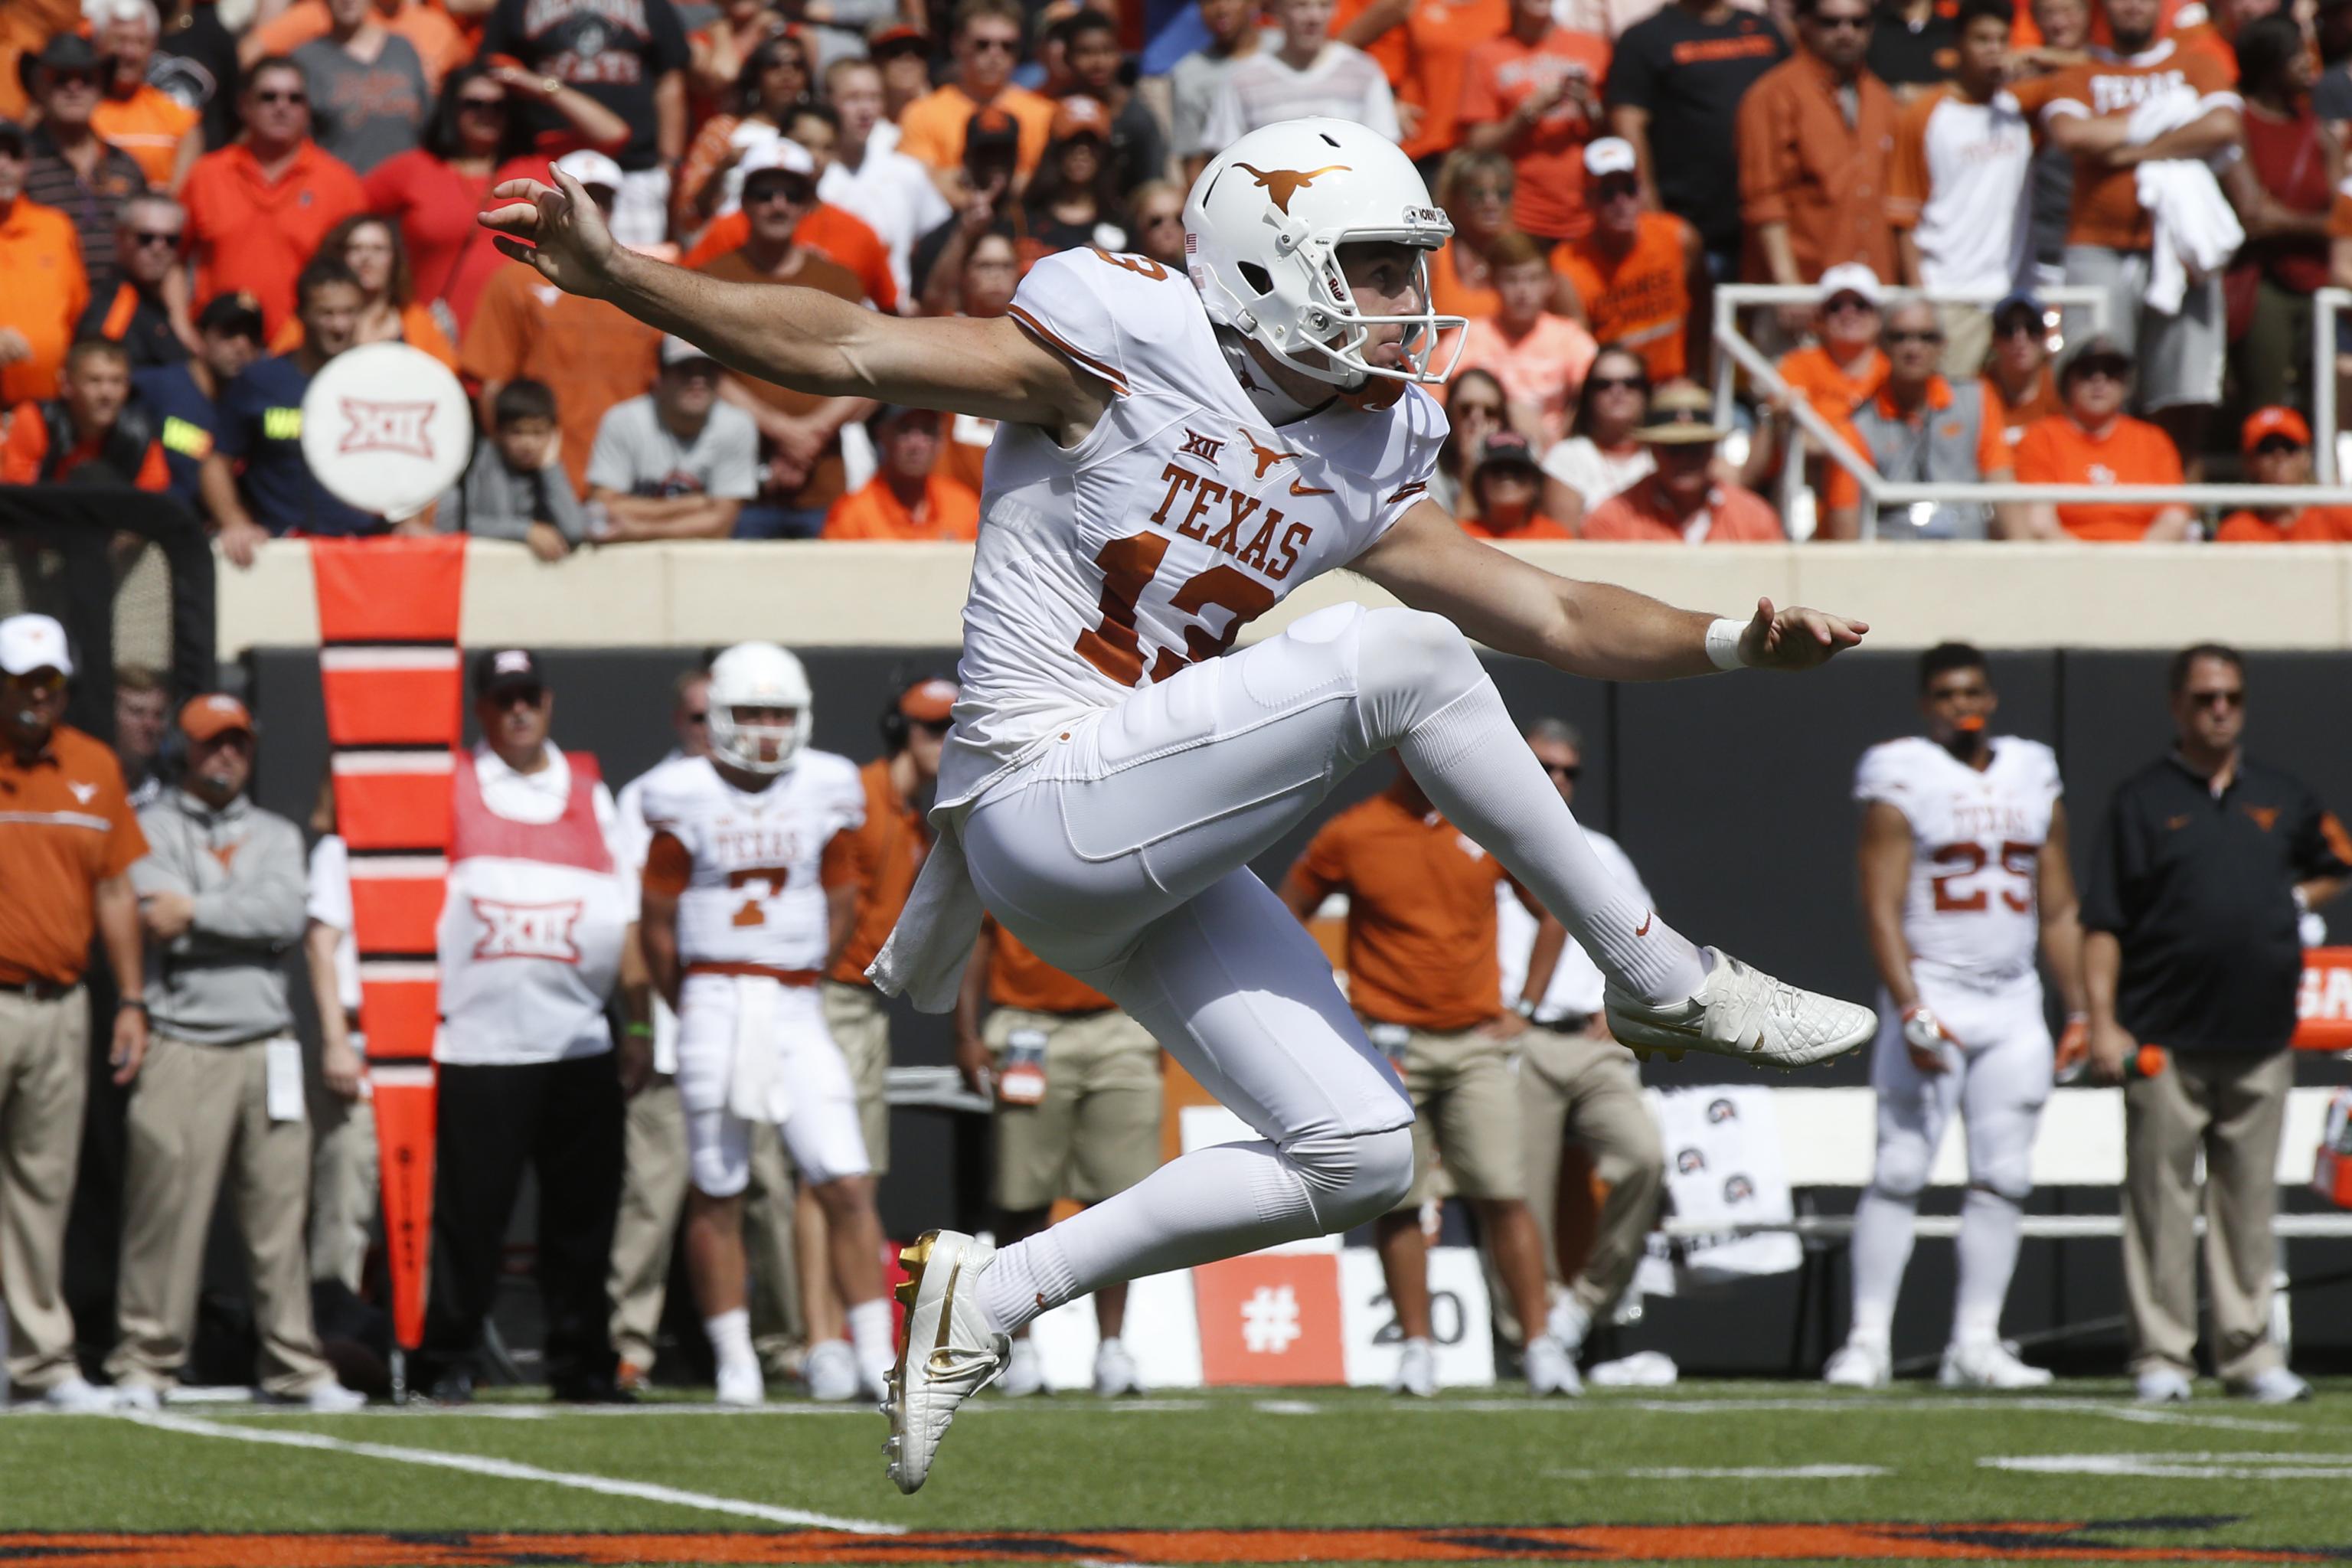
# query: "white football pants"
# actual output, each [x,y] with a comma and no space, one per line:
[800,1077]
[1120,855]
[1998,1083]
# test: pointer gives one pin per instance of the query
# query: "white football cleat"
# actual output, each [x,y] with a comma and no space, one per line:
[1115,1373]
[739,1383]
[1550,1368]
[1025,1374]
[1989,1364]
[1416,1373]
[950,1351]
[831,1371]
[1859,1366]
[1744,1013]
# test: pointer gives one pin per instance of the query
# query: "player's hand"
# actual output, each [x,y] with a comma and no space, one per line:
[1796,638]
[1927,1039]
[972,1059]
[2111,1046]
[2073,1045]
[557,232]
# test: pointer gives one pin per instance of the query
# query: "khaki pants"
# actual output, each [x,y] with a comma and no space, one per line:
[1585,1089]
[1466,1111]
[199,1113]
[1097,1132]
[344,1191]
[44,1076]
[652,1197]
[1967,339]
[2233,1107]
[860,1024]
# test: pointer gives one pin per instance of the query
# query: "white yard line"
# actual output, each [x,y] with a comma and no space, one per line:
[508,1469]
[1731,1473]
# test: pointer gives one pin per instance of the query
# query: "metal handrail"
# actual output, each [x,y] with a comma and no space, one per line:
[2325,304]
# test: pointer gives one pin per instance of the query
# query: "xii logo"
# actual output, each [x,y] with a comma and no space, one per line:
[527,931]
[399,428]
[1203,447]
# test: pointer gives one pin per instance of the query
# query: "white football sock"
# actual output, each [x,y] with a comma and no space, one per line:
[1471,761]
[1214,1203]
[1990,1226]
[872,1335]
[731,1336]
[1880,1251]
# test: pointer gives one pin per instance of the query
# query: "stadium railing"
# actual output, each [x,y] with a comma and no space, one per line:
[1737,353]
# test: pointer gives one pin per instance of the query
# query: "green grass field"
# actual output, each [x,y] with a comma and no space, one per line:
[1707,1472]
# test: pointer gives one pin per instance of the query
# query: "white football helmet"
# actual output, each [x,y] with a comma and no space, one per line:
[1262,229]
[758,674]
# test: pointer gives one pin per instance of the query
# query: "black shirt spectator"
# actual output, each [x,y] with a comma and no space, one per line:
[1912,48]
[196,62]
[1675,88]
[127,306]
[616,51]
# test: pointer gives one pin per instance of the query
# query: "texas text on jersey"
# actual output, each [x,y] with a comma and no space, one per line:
[1182,517]
[750,870]
[1977,839]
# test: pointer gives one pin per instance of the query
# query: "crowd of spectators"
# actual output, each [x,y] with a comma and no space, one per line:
[188,179]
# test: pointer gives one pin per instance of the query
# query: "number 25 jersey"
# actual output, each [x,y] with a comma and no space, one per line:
[749,869]
[1976,850]
[1182,515]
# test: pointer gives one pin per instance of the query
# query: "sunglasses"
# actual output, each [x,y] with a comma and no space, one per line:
[1618,384]
[2216,699]
[506,697]
[287,97]
[993,45]
[1491,410]
[49,682]
[793,192]
[2018,327]
[1849,304]
[1915,336]
[2271,446]
[2104,369]
[151,236]
[483,105]
[73,78]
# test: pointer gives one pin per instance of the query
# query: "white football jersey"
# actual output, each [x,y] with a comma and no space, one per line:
[1180,517]
[1976,849]
[756,894]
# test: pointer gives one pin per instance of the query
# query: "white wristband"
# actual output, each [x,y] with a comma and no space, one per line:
[1723,643]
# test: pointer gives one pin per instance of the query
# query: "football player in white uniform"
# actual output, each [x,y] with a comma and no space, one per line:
[747,897]
[1963,861]
[1174,456]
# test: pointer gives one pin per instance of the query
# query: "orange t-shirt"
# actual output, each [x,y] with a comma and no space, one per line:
[1438,37]
[418,330]
[2311,525]
[931,129]
[1833,390]
[67,827]
[836,232]
[46,293]
[1537,526]
[2106,210]
[2245,528]
[593,353]
[2057,451]
[1639,301]
[885,854]
[1018,978]
[1992,441]
[1449,296]
[1502,73]
[1420,913]
[149,125]
[441,47]
[27,447]
[251,233]
[873,510]
[1639,514]
[1392,51]
[2015,417]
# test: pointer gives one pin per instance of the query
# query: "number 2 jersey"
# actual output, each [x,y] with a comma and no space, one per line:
[1182,515]
[1976,850]
[750,869]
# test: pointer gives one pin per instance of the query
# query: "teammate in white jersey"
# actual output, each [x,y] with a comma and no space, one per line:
[1963,863]
[747,899]
[1173,457]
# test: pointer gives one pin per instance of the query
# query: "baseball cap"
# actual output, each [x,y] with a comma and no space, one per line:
[237,315]
[891,37]
[2097,349]
[1609,155]
[676,349]
[1079,115]
[890,414]
[1504,450]
[28,643]
[591,168]
[504,669]
[931,701]
[991,131]
[2276,420]
[779,153]
[213,714]
[1682,414]
[1851,278]
[2021,300]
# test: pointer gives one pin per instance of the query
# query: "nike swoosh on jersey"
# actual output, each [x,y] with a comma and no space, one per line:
[1300,488]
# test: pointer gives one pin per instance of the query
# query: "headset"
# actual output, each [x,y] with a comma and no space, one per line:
[895,721]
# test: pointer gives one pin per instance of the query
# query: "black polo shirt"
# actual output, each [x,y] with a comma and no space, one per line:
[2198,890]
[121,312]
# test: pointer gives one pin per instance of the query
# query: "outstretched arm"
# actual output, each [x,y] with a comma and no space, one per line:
[801,338]
[1585,629]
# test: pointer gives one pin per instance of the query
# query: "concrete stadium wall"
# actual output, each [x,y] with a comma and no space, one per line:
[887,595]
